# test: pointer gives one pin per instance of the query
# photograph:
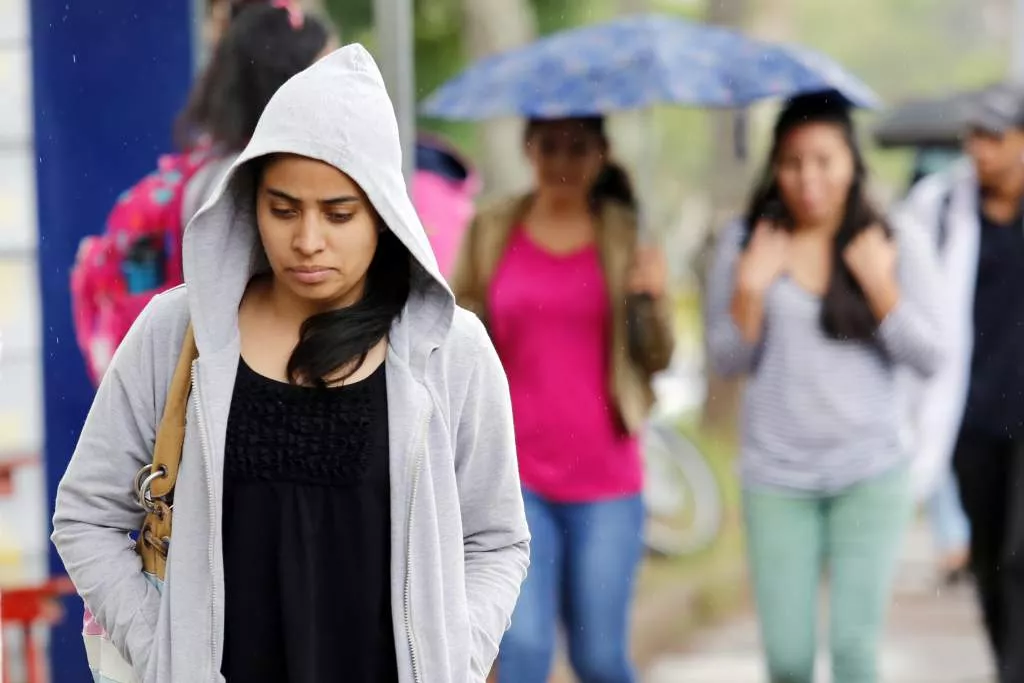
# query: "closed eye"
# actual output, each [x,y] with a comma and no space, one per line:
[283,212]
[339,217]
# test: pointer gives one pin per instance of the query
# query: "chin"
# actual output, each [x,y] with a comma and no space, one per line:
[813,215]
[331,297]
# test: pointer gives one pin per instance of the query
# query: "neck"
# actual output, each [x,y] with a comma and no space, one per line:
[825,227]
[560,205]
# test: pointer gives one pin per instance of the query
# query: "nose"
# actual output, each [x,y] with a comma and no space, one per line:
[308,239]
[564,165]
[810,178]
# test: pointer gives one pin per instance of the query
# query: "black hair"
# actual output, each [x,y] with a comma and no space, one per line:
[845,312]
[342,338]
[613,183]
[259,52]
[237,6]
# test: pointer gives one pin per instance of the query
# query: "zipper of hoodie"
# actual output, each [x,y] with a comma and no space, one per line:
[417,465]
[207,464]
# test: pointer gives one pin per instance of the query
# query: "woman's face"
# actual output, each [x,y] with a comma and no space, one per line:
[217,18]
[814,169]
[318,229]
[566,157]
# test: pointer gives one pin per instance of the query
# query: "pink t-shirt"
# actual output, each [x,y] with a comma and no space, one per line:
[549,317]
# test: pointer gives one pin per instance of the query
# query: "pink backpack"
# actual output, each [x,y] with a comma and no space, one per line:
[137,256]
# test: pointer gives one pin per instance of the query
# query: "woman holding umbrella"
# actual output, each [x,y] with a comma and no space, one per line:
[550,273]
[819,303]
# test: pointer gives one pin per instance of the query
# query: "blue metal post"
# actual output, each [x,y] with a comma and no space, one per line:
[108,77]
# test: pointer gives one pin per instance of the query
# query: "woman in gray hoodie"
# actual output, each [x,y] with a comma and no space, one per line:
[348,504]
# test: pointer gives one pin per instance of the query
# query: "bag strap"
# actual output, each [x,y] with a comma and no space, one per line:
[170,435]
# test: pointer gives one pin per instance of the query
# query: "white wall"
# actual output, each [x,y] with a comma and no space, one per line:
[23,514]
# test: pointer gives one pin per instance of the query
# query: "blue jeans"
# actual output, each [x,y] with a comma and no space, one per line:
[583,563]
[949,523]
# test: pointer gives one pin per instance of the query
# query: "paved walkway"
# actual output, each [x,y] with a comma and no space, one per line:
[932,637]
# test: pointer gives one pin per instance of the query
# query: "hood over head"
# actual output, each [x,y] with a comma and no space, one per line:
[336,111]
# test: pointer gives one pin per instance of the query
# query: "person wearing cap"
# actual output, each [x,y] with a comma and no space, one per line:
[971,412]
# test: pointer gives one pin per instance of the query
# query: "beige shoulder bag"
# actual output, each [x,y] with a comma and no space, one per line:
[154,484]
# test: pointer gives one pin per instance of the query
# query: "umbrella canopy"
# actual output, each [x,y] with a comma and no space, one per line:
[635,62]
[926,122]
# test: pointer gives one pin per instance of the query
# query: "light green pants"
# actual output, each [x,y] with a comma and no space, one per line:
[854,538]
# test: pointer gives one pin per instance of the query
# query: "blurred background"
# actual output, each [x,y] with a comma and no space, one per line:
[89,91]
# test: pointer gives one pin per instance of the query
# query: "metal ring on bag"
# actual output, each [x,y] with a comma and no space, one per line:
[139,476]
[143,493]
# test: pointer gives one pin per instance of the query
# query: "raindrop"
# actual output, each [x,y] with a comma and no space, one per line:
[74,59]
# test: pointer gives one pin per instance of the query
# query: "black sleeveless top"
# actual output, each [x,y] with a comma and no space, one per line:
[307,533]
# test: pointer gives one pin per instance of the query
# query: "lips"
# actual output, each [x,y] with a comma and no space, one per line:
[310,275]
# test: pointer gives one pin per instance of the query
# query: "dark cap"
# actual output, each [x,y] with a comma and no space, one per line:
[997,109]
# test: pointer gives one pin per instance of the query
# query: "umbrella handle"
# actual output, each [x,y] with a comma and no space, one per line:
[739,134]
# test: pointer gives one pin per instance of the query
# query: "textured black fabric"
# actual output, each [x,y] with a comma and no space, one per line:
[995,399]
[307,533]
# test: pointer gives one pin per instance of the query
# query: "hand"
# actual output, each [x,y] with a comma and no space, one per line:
[648,273]
[871,257]
[764,260]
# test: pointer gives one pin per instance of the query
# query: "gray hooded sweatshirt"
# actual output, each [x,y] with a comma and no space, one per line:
[459,536]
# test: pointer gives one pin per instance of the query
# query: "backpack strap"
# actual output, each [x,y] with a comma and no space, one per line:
[942,233]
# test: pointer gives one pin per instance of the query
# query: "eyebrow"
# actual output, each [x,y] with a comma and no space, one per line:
[344,199]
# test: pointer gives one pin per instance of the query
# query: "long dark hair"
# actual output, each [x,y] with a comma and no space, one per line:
[613,183]
[341,339]
[845,312]
[260,50]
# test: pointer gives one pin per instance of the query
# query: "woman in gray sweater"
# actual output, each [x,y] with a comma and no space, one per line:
[817,301]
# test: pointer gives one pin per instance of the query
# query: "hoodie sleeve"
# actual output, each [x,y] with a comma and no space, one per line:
[95,509]
[730,355]
[495,534]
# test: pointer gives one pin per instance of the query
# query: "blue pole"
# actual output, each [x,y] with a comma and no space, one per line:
[108,77]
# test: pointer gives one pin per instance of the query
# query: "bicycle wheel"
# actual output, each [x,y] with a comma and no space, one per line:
[681,494]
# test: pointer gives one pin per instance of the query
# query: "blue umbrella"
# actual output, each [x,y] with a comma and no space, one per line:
[636,62]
